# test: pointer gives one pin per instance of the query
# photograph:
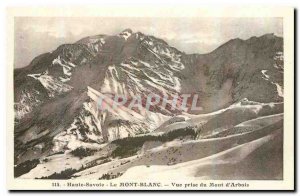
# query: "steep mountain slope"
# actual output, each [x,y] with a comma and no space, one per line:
[128,63]
[238,69]
[57,95]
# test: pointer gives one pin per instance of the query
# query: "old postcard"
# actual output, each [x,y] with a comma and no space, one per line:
[145,98]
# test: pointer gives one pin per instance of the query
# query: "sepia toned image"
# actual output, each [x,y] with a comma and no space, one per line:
[150,102]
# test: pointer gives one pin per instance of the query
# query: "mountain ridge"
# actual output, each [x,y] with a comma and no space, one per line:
[101,35]
[54,110]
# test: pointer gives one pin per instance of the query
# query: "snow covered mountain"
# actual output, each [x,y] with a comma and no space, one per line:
[56,96]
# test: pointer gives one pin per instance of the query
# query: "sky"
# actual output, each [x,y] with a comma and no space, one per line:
[37,35]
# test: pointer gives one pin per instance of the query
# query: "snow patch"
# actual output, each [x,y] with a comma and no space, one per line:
[278,87]
[26,103]
[266,77]
[66,68]
[279,90]
[126,34]
[52,85]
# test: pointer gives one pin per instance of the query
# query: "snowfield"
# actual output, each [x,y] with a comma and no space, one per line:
[228,164]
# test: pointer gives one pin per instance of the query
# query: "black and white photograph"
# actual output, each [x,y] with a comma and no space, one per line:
[152,102]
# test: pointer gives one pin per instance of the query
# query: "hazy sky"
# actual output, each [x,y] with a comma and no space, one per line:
[37,35]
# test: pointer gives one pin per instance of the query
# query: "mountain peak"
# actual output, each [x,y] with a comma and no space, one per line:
[128,30]
[126,33]
[269,35]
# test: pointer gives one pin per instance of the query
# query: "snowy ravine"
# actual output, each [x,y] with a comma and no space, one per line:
[96,126]
[278,87]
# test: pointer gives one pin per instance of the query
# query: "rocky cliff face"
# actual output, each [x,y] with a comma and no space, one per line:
[56,95]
